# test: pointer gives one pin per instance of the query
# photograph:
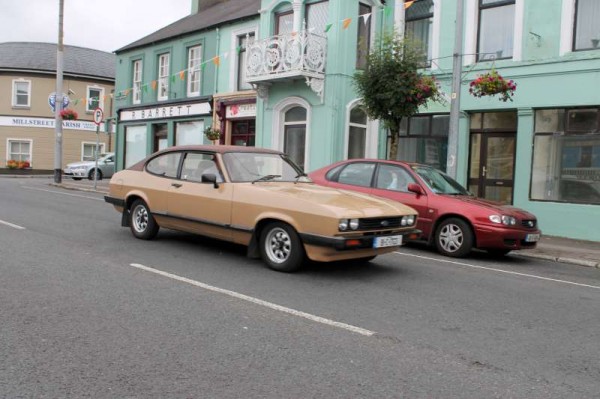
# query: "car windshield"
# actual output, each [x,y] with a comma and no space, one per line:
[258,167]
[439,182]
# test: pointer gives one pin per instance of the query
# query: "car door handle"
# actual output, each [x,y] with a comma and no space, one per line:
[176,185]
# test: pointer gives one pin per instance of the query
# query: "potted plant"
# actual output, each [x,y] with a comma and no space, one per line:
[68,114]
[212,134]
[492,83]
[12,164]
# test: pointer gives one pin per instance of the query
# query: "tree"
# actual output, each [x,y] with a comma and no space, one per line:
[392,87]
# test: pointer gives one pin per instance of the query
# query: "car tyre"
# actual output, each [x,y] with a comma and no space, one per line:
[454,238]
[141,222]
[281,248]
[91,174]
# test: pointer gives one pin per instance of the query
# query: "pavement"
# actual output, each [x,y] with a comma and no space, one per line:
[557,249]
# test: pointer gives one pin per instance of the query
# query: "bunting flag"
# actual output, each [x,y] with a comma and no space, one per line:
[238,49]
[145,88]
[327,27]
[408,3]
[153,85]
[182,75]
[346,23]
[173,78]
[366,17]
[217,60]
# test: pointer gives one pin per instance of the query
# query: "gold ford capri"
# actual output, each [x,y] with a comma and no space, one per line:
[258,198]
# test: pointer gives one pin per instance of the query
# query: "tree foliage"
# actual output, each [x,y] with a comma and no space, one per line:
[392,87]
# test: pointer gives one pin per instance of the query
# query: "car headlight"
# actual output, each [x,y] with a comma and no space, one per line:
[503,219]
[407,220]
[343,225]
[346,224]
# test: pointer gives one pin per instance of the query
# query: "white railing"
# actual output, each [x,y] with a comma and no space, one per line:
[300,54]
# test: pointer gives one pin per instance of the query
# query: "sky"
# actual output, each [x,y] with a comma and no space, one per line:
[105,25]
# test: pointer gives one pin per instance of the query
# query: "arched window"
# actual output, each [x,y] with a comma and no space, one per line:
[294,134]
[357,133]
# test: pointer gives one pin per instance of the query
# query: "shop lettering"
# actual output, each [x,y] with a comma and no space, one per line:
[163,112]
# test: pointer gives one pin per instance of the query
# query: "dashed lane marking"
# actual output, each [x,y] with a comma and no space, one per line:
[14,226]
[62,193]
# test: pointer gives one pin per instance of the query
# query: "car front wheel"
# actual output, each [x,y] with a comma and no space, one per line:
[141,221]
[281,248]
[454,237]
[91,174]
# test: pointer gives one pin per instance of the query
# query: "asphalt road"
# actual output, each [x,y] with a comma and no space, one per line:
[89,311]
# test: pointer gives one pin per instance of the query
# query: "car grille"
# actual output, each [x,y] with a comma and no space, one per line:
[378,223]
[530,223]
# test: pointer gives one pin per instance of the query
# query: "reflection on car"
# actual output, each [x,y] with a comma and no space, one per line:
[86,169]
[450,217]
[258,198]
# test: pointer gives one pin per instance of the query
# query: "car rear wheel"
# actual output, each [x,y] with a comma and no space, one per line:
[91,174]
[281,248]
[454,237]
[141,221]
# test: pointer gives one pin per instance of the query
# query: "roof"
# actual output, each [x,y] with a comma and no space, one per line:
[219,14]
[41,57]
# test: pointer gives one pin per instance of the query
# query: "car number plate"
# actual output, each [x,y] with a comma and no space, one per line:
[532,237]
[390,241]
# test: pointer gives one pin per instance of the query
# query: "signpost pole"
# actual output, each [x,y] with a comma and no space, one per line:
[98,114]
[59,99]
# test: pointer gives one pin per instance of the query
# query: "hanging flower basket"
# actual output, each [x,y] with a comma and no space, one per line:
[212,134]
[492,83]
[68,114]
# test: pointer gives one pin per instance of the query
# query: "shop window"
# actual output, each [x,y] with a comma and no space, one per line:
[586,32]
[419,26]
[160,136]
[137,81]
[424,139]
[135,144]
[194,71]
[496,29]
[21,93]
[189,132]
[19,150]
[566,156]
[95,98]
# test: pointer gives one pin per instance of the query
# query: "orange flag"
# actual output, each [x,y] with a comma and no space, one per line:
[346,23]
[153,85]
[181,75]
[408,3]
[217,60]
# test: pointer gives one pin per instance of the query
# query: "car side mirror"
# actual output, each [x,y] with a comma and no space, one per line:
[415,188]
[210,178]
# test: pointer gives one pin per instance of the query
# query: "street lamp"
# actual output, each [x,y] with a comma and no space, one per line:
[59,98]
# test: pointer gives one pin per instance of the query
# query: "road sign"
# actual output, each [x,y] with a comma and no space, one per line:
[98,115]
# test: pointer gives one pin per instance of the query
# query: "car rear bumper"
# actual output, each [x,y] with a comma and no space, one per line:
[500,237]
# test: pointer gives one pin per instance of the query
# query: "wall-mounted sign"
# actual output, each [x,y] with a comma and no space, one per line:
[17,121]
[241,111]
[167,111]
[52,101]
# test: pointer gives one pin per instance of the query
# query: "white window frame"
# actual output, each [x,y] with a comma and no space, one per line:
[137,81]
[14,93]
[163,77]
[234,67]
[8,153]
[101,147]
[400,23]
[194,65]
[278,130]
[88,107]
[471,30]
[567,27]
[371,139]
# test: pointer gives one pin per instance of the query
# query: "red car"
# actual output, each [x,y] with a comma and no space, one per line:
[450,217]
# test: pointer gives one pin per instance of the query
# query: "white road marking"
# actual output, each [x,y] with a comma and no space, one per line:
[12,225]
[257,301]
[500,270]
[62,193]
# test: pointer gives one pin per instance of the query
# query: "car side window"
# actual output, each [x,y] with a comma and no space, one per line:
[164,165]
[357,174]
[196,164]
[391,177]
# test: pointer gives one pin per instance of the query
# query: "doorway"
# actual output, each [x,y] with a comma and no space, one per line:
[493,141]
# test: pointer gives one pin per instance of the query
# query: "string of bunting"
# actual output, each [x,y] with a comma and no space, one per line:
[216,60]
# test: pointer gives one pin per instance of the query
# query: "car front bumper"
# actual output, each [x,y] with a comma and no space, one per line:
[504,237]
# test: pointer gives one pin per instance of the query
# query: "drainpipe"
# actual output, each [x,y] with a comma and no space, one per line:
[218,49]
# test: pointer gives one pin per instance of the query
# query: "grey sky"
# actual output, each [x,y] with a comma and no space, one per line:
[98,24]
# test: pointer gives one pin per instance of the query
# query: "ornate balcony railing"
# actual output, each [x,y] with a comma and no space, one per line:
[289,56]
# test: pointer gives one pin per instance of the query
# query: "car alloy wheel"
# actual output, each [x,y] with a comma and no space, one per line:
[281,248]
[142,222]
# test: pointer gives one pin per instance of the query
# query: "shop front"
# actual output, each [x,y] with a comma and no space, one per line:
[237,120]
